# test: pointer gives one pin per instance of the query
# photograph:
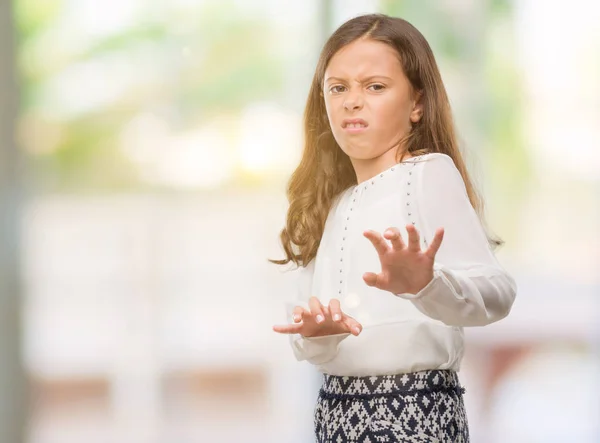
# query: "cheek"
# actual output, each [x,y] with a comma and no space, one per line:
[330,108]
[329,114]
[392,116]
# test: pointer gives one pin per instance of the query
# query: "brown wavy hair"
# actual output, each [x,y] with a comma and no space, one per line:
[325,170]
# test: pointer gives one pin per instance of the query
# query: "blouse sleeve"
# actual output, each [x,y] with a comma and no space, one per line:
[469,287]
[315,350]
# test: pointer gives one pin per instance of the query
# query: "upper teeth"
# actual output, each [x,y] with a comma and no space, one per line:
[355,125]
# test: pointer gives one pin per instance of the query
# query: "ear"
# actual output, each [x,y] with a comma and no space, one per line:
[417,110]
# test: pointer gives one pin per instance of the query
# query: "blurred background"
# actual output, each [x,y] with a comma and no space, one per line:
[144,152]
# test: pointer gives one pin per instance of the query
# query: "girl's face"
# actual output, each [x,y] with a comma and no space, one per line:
[369,100]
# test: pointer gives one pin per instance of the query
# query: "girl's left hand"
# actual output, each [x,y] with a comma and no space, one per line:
[405,268]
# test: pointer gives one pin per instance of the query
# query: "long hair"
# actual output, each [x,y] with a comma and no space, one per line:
[325,170]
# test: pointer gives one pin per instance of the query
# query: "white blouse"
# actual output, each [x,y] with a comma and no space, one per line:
[404,332]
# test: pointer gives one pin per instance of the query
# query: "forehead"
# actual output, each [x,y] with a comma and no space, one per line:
[364,57]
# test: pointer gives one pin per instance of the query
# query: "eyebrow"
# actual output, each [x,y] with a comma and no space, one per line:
[371,77]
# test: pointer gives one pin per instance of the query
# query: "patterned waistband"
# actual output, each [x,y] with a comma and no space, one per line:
[346,387]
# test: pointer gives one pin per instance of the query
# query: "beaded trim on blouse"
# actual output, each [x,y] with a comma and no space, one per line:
[366,184]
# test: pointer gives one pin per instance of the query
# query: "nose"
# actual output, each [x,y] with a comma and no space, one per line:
[353,102]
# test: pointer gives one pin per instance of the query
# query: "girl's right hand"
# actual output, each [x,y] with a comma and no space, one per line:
[320,320]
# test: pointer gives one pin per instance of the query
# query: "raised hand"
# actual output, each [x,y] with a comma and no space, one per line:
[405,267]
[320,320]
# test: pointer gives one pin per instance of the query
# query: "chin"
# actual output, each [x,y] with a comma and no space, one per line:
[359,153]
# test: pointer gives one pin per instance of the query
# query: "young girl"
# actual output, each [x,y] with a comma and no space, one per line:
[382,186]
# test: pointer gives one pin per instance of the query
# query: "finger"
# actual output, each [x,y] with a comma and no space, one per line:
[354,326]
[288,329]
[298,313]
[413,239]
[370,278]
[381,245]
[393,234]
[335,309]
[435,243]
[316,309]
[378,281]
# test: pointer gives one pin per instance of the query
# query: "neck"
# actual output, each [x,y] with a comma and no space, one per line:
[365,169]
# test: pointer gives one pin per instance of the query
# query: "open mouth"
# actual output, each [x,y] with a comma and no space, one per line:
[355,124]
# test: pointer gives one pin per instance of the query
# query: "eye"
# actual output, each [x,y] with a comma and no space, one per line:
[377,87]
[336,89]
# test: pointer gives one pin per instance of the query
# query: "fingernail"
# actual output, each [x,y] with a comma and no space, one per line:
[296,317]
[336,317]
[319,318]
[356,329]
